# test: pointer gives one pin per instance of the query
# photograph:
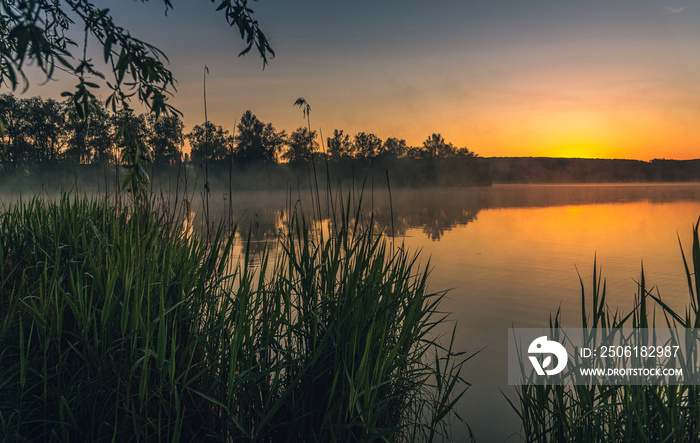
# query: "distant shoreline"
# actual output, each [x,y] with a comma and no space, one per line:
[400,173]
[543,170]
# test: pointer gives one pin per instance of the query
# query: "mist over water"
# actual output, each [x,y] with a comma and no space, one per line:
[434,210]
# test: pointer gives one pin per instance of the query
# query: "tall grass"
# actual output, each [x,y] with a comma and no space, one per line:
[118,325]
[585,413]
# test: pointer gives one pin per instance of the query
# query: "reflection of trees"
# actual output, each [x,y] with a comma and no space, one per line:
[443,222]
[257,218]
[261,215]
[434,211]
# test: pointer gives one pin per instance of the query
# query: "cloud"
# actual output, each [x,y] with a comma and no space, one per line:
[676,10]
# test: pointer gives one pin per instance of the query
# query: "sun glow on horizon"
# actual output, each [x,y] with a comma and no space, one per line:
[576,150]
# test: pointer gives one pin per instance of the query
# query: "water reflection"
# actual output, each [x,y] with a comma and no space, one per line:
[261,216]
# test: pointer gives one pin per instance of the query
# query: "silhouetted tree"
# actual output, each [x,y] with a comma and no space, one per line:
[137,121]
[34,129]
[166,138]
[15,147]
[415,152]
[88,139]
[367,146]
[208,142]
[300,146]
[100,134]
[42,127]
[40,34]
[257,141]
[339,146]
[394,148]
[464,153]
[436,147]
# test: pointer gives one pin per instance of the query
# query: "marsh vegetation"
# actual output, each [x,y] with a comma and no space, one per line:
[629,413]
[119,324]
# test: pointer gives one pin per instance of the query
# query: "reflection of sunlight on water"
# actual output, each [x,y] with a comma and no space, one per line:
[282,221]
[188,220]
[515,265]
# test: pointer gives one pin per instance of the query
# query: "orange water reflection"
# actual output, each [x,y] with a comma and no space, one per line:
[514,266]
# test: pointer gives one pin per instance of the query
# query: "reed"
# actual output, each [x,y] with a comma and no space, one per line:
[117,324]
[669,413]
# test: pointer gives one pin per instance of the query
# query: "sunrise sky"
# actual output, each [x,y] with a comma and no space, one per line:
[594,78]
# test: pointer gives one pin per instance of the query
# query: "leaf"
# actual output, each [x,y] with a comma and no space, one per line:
[547,361]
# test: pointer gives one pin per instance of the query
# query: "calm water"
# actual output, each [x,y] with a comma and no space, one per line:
[516,261]
[511,255]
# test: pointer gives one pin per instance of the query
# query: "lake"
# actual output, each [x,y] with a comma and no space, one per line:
[512,254]
[520,258]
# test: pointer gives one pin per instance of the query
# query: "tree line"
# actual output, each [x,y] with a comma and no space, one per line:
[47,131]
